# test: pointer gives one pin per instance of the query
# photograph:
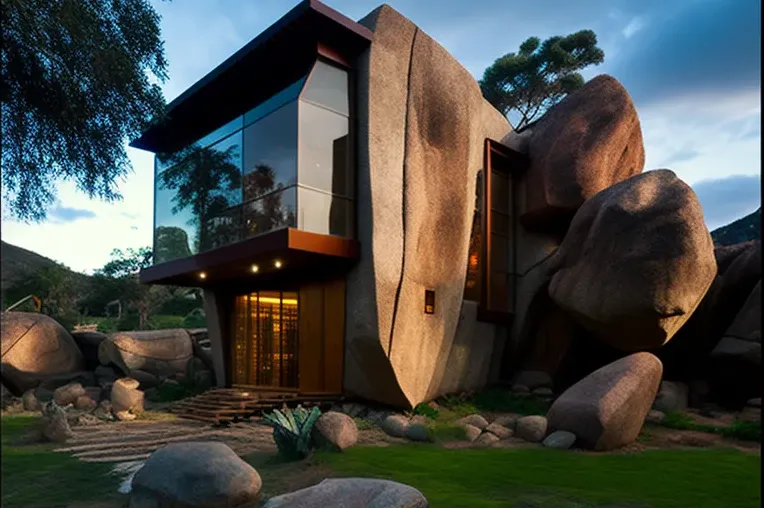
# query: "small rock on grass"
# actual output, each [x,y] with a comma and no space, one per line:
[487,439]
[531,428]
[509,420]
[560,439]
[474,419]
[418,432]
[499,431]
[471,432]
[395,425]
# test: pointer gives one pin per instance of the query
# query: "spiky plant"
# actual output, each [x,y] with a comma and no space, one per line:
[292,430]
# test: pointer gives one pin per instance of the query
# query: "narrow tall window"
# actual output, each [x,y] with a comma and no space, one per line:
[472,284]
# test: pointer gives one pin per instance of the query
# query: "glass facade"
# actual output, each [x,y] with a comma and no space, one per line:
[284,163]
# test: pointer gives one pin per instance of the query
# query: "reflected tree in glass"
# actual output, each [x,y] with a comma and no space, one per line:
[203,180]
[268,212]
[170,243]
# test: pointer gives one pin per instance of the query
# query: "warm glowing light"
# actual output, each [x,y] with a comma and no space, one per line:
[277,263]
[255,268]
[202,275]
[276,301]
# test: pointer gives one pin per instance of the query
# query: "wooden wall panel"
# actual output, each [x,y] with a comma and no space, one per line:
[334,334]
[311,311]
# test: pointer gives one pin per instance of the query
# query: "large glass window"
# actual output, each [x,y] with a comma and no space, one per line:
[328,86]
[324,213]
[164,161]
[288,94]
[324,150]
[273,211]
[270,153]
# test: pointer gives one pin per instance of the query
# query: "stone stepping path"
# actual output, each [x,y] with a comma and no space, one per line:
[135,441]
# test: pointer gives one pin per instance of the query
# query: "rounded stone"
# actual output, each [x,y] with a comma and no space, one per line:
[531,428]
[560,439]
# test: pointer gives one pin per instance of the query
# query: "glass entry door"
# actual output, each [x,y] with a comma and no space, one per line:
[265,341]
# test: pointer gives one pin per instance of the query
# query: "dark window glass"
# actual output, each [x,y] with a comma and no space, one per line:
[274,211]
[324,213]
[270,153]
[499,192]
[324,158]
[164,161]
[499,291]
[175,230]
[288,94]
[328,86]
[199,191]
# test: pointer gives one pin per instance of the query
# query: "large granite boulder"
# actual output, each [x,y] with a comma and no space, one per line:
[336,430]
[606,409]
[202,474]
[125,395]
[636,262]
[35,346]
[588,142]
[352,493]
[158,352]
[88,342]
[419,109]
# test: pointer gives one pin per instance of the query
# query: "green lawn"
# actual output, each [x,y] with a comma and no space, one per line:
[538,477]
[34,476]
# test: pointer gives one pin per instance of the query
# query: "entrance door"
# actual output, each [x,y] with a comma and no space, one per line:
[265,341]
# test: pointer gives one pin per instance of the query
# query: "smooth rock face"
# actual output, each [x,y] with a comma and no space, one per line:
[743,338]
[203,474]
[418,109]
[475,419]
[560,439]
[509,420]
[145,379]
[338,429]
[531,428]
[85,403]
[158,352]
[352,493]
[588,142]
[395,425]
[418,432]
[30,401]
[68,394]
[635,262]
[35,346]
[606,409]
[125,395]
[487,439]
[672,396]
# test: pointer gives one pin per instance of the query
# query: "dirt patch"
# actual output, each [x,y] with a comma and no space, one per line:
[657,437]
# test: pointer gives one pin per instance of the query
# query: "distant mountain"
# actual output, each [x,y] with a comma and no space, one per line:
[15,262]
[742,230]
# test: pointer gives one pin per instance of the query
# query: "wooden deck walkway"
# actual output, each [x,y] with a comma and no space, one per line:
[224,405]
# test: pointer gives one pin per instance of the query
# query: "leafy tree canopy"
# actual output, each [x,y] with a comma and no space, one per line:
[540,75]
[76,84]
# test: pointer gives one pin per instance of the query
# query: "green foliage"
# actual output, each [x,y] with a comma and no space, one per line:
[540,75]
[446,432]
[742,230]
[57,289]
[494,400]
[424,409]
[743,430]
[363,424]
[160,322]
[540,477]
[76,86]
[293,431]
[195,320]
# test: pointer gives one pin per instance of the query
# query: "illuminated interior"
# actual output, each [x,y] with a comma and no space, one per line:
[266,339]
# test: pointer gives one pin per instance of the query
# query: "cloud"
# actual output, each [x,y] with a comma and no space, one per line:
[725,200]
[634,26]
[60,214]
[682,155]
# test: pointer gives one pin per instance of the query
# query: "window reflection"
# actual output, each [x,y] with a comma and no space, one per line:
[164,161]
[276,210]
[272,143]
[288,94]
[324,213]
[328,86]
[324,150]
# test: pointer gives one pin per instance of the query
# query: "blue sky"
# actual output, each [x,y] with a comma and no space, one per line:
[691,66]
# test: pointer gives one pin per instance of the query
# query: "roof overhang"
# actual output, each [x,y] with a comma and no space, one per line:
[300,252]
[277,57]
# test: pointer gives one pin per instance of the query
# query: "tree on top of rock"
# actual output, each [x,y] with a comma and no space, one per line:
[540,75]
[76,84]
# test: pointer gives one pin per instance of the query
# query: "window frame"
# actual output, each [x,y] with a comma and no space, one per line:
[513,163]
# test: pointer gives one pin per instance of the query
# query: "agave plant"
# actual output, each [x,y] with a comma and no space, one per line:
[292,430]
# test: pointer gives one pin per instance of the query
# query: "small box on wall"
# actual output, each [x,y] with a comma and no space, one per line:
[429,301]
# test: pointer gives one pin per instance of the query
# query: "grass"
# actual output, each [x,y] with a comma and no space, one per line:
[539,477]
[491,400]
[740,429]
[34,476]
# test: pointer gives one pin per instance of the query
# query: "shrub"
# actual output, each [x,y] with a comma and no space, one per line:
[195,320]
[743,430]
[444,432]
[423,409]
[163,322]
[292,431]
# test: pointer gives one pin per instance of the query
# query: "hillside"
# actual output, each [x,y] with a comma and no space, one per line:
[742,230]
[16,261]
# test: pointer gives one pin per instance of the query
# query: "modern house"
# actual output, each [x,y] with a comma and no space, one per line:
[328,186]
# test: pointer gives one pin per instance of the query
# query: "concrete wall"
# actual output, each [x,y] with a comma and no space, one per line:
[422,125]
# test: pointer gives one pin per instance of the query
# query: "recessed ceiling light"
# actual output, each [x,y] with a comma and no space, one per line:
[255,268]
[277,263]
